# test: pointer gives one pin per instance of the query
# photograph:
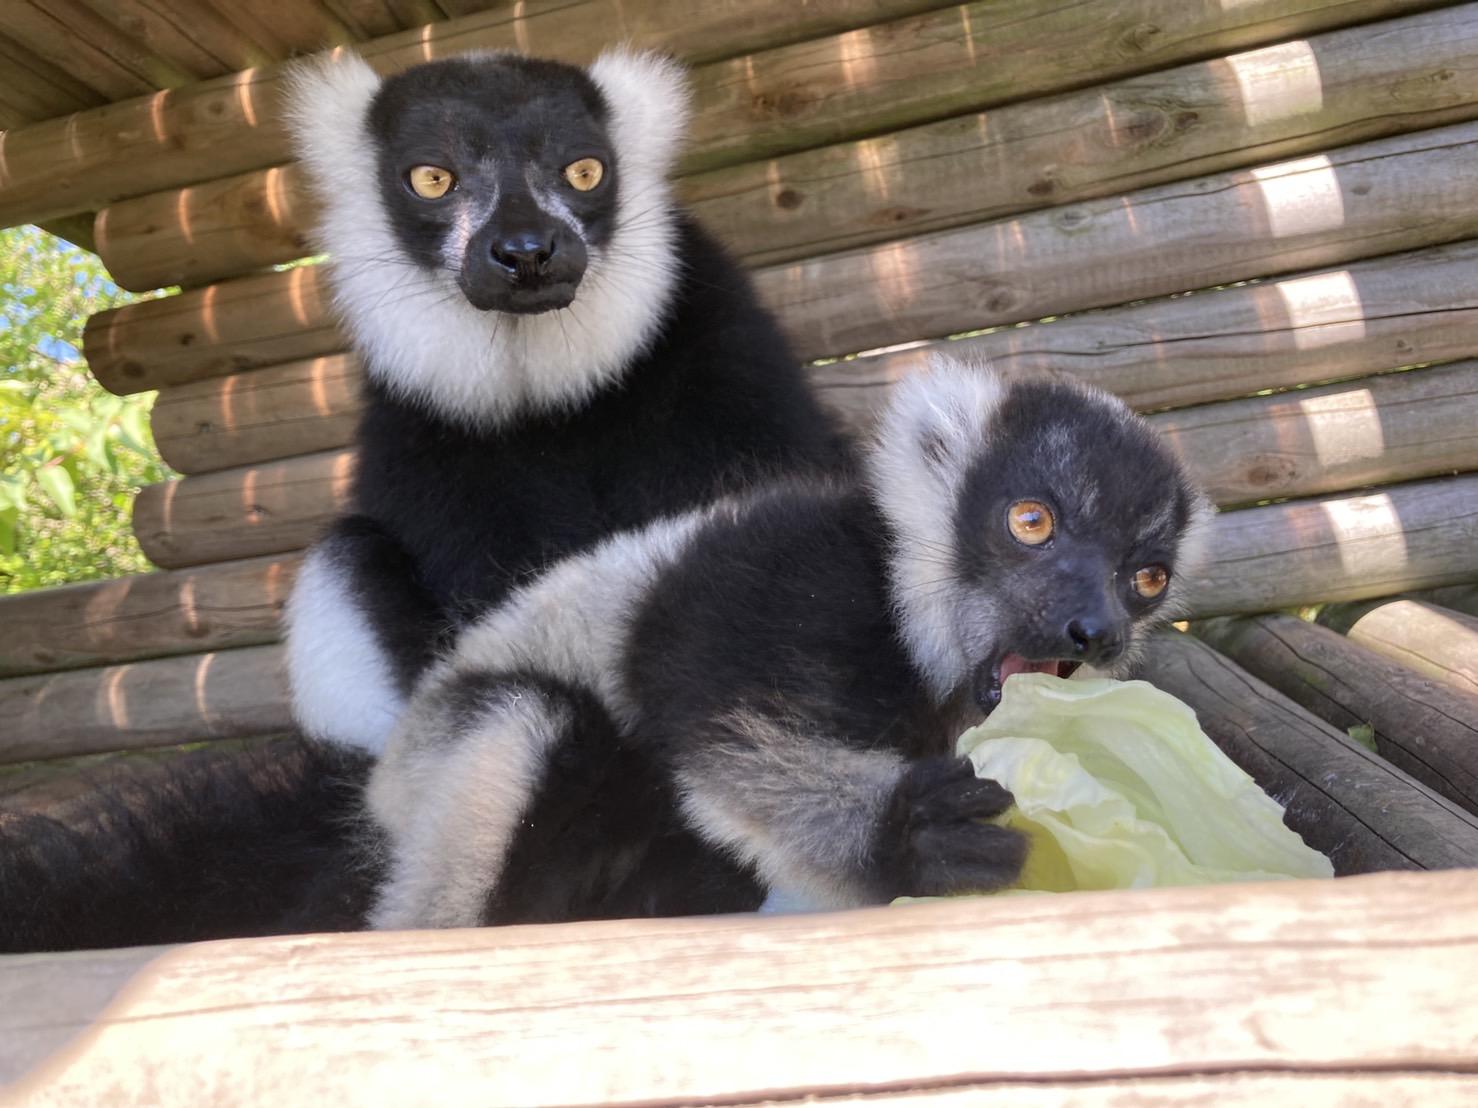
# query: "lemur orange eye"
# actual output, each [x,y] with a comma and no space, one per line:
[1150,581]
[585,174]
[431,182]
[1030,522]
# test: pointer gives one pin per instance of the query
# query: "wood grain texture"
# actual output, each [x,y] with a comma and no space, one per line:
[232,123]
[266,509]
[1423,726]
[145,616]
[1351,804]
[1440,643]
[1376,315]
[161,702]
[1415,536]
[1275,102]
[1282,983]
[1332,209]
[1376,430]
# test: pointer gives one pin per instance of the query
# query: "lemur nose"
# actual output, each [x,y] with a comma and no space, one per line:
[1092,640]
[524,253]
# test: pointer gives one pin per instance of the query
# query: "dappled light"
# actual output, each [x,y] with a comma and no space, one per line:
[157,104]
[855,50]
[202,688]
[1322,310]
[1343,427]
[1301,197]
[1278,82]
[113,702]
[1367,533]
[208,312]
[246,95]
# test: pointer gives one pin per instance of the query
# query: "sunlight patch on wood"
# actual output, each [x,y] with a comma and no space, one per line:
[1278,82]
[1301,197]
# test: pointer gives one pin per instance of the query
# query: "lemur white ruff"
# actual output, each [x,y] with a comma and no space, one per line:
[789,669]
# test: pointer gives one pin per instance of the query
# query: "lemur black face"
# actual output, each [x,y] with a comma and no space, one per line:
[499,171]
[1075,514]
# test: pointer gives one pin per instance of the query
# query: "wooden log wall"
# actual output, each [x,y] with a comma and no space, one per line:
[1050,177]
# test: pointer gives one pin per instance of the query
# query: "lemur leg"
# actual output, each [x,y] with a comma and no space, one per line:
[452,790]
[360,629]
[833,826]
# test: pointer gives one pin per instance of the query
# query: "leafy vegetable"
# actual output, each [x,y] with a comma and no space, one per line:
[1119,788]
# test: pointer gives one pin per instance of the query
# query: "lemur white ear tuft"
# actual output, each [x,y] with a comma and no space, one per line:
[938,419]
[326,101]
[650,104]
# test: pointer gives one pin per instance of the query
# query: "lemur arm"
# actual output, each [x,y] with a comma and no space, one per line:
[360,629]
[832,825]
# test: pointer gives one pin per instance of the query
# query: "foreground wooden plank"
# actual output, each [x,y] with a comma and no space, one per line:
[1353,805]
[1426,728]
[161,702]
[1372,316]
[1437,642]
[1330,209]
[146,616]
[1269,982]
[1130,134]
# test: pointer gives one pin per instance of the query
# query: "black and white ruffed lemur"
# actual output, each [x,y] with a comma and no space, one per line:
[554,352]
[786,671]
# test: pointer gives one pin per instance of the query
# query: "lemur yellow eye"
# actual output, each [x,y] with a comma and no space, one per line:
[431,182]
[1150,581]
[1030,522]
[585,174]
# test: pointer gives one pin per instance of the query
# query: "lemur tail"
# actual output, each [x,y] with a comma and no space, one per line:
[210,844]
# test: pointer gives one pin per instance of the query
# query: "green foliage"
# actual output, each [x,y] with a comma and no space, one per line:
[71,455]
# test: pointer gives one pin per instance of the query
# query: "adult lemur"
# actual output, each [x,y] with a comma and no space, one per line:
[792,666]
[553,353]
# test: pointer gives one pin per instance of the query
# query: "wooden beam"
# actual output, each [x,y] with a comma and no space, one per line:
[163,702]
[231,124]
[1335,208]
[1148,130]
[1436,642]
[1376,315]
[1352,804]
[146,616]
[1413,536]
[1217,992]
[1408,425]
[1422,726]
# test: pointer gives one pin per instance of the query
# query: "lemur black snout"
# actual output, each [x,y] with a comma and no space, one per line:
[525,252]
[1093,639]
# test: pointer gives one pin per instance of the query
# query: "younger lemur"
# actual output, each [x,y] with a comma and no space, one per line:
[554,352]
[792,666]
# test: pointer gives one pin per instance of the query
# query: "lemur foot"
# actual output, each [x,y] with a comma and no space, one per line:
[932,841]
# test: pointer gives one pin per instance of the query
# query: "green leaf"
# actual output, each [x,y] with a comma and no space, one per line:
[133,428]
[57,484]
[9,517]
[1364,734]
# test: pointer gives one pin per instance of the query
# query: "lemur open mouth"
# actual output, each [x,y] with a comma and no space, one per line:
[992,675]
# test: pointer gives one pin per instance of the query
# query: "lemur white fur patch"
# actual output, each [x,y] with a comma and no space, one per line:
[450,793]
[936,423]
[415,330]
[342,685]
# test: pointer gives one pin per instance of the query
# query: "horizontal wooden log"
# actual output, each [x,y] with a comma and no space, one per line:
[1422,726]
[259,415]
[1279,101]
[266,509]
[147,616]
[1383,429]
[1320,211]
[162,702]
[1413,536]
[1374,431]
[231,124]
[1289,980]
[1372,316]
[1437,642]
[1345,801]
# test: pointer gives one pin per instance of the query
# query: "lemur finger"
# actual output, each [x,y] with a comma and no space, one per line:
[967,857]
[946,790]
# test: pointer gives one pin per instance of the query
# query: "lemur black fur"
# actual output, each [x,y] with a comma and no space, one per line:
[792,666]
[545,366]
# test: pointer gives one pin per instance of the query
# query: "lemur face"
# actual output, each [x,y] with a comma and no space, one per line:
[500,171]
[1075,512]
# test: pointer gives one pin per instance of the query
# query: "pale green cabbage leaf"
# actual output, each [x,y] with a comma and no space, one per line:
[1119,788]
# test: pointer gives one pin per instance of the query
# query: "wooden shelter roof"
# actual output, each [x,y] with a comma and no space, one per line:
[63,56]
